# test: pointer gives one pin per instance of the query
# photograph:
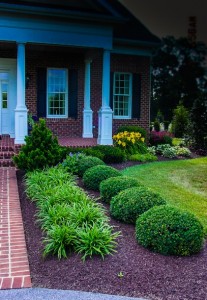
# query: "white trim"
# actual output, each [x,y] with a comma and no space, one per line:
[65,116]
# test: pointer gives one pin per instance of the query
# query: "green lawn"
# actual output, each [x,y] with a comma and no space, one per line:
[183,183]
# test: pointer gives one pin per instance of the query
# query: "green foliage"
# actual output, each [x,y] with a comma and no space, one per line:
[112,186]
[71,221]
[93,176]
[143,157]
[41,149]
[198,123]
[95,240]
[169,152]
[170,231]
[93,151]
[110,154]
[71,162]
[178,73]
[156,125]
[87,162]
[132,128]
[182,151]
[129,204]
[180,121]
[59,240]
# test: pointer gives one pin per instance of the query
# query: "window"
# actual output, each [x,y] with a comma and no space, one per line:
[122,95]
[57,93]
[4,94]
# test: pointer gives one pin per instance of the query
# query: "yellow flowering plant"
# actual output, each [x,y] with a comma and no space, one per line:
[131,142]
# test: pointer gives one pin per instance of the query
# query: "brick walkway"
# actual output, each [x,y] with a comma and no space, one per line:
[14,266]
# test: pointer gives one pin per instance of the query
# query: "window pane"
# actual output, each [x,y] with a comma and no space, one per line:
[121,94]
[57,89]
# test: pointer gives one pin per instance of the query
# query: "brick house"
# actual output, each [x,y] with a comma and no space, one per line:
[82,65]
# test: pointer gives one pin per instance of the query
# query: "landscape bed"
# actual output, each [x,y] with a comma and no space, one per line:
[131,271]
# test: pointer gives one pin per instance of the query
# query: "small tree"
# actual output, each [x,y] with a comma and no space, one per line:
[198,123]
[180,121]
[41,149]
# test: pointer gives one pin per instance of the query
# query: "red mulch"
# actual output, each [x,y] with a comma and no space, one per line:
[145,274]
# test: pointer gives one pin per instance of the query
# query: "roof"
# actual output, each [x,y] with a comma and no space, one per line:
[125,26]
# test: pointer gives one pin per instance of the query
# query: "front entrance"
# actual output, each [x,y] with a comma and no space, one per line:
[7,96]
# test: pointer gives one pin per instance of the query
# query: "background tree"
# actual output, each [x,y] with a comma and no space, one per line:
[178,75]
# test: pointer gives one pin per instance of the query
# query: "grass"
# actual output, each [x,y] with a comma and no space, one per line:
[182,183]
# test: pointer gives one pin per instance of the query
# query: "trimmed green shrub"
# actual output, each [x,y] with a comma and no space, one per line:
[90,151]
[87,162]
[93,176]
[112,186]
[41,149]
[170,231]
[131,203]
[133,128]
[143,157]
[71,162]
[111,154]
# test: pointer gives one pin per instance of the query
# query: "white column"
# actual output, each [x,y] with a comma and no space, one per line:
[21,110]
[87,112]
[105,113]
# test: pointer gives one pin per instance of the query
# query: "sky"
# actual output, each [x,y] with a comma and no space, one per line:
[164,17]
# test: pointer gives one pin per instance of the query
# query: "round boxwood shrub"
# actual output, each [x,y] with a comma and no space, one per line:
[94,175]
[129,204]
[170,231]
[112,186]
[87,162]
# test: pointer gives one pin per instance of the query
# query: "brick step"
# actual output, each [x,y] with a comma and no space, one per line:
[6,163]
[6,154]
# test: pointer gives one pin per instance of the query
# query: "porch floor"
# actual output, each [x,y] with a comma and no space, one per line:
[77,142]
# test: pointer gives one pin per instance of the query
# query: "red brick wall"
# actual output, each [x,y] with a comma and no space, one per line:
[71,58]
[140,65]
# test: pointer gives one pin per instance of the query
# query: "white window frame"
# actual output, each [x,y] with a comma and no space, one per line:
[66,96]
[129,116]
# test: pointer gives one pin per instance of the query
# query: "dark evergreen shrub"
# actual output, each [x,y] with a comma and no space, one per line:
[93,176]
[180,121]
[129,204]
[87,162]
[112,186]
[111,154]
[133,128]
[41,149]
[170,231]
[94,152]
[198,124]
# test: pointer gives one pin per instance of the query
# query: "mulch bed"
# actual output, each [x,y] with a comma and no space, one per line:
[145,274]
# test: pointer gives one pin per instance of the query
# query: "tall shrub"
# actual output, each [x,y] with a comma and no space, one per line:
[41,149]
[180,121]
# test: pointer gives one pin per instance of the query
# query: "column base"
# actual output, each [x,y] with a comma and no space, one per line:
[87,123]
[21,124]
[105,126]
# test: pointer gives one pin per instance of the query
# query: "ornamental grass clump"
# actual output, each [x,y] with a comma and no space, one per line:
[95,175]
[129,204]
[170,231]
[69,218]
[130,142]
[112,186]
